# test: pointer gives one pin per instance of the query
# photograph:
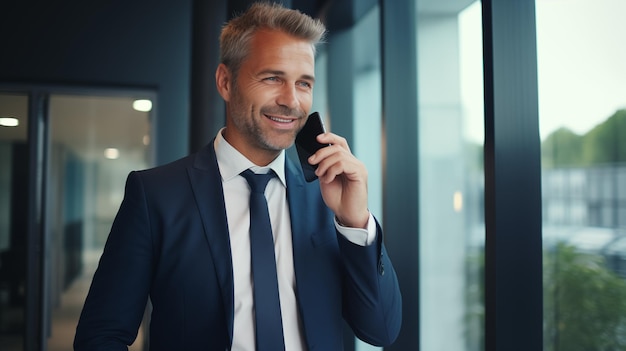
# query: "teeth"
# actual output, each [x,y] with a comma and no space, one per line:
[280,120]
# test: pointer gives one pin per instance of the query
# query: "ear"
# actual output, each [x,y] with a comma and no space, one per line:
[223,81]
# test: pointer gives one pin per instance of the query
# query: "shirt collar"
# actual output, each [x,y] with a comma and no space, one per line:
[231,162]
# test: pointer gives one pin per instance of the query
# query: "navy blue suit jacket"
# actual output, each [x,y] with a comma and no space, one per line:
[169,242]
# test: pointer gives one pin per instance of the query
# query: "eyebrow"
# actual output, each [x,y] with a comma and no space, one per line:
[282,73]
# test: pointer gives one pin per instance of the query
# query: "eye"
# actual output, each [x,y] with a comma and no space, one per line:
[271,79]
[305,84]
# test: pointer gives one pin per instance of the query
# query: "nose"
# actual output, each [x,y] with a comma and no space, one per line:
[288,96]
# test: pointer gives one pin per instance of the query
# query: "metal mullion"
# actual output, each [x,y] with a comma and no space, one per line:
[513,245]
[37,130]
[401,155]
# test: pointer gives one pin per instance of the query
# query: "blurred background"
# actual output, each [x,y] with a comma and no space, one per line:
[494,133]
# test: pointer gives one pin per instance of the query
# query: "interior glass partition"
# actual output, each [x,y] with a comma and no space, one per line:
[582,110]
[451,187]
[94,142]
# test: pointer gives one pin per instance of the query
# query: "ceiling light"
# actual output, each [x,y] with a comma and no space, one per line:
[142,105]
[9,122]
[111,153]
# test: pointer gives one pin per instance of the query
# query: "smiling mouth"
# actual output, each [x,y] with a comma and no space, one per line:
[280,120]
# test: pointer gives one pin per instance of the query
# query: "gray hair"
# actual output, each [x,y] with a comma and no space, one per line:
[237,34]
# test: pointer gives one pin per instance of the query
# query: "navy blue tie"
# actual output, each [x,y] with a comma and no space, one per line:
[268,321]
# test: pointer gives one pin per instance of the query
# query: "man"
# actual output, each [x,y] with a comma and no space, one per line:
[183,234]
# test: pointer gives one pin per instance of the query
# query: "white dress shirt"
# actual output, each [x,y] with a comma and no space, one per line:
[236,196]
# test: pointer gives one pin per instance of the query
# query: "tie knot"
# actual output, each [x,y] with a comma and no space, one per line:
[257,182]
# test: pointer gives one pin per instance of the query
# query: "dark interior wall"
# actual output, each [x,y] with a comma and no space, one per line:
[106,43]
[169,47]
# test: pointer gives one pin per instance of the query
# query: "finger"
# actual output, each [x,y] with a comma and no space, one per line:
[339,169]
[334,139]
[324,153]
[328,161]
[335,171]
[339,165]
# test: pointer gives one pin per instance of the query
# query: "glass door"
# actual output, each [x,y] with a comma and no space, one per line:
[14,170]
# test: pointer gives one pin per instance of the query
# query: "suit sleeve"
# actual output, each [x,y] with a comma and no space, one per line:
[372,304]
[119,291]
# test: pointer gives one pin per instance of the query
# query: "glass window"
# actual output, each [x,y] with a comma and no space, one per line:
[367,104]
[357,103]
[451,137]
[582,111]
[14,171]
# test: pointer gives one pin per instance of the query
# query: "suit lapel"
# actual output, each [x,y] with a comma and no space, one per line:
[315,255]
[303,243]
[297,209]
[206,182]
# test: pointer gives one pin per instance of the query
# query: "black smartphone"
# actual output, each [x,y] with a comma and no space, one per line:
[307,144]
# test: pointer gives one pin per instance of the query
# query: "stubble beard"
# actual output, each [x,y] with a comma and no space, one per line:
[248,123]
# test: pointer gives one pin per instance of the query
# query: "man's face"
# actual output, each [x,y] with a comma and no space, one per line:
[269,101]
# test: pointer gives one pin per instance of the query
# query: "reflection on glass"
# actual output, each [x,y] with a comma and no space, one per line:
[583,130]
[451,175]
[367,85]
[85,188]
[13,210]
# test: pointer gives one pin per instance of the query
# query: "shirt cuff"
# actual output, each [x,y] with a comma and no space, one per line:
[359,236]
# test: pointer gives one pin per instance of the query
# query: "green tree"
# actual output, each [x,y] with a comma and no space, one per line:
[584,303]
[562,148]
[606,143]
[475,302]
